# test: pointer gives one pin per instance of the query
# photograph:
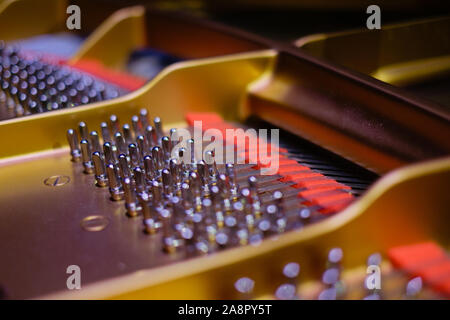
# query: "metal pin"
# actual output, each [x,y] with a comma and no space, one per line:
[127,133]
[123,165]
[174,171]
[167,147]
[95,141]
[231,173]
[167,182]
[209,159]
[130,198]
[106,136]
[158,128]
[142,146]
[286,291]
[83,129]
[149,135]
[149,167]
[150,224]
[114,183]
[335,257]
[99,168]
[86,156]
[139,180]
[157,157]
[134,155]
[181,155]
[174,136]
[110,153]
[114,123]
[169,242]
[191,148]
[143,117]
[73,143]
[135,124]
[413,287]
[245,286]
[157,194]
[120,143]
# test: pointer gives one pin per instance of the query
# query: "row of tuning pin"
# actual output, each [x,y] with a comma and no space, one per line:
[333,286]
[196,203]
[30,85]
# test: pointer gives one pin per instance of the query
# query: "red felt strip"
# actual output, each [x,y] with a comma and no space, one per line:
[412,256]
[97,69]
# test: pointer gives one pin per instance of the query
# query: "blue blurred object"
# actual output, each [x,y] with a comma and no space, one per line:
[147,63]
[63,44]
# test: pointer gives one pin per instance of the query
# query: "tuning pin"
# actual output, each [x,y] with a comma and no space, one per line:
[134,155]
[304,215]
[149,167]
[173,134]
[142,146]
[120,143]
[191,148]
[99,169]
[86,156]
[196,190]
[139,180]
[73,143]
[106,136]
[167,182]
[114,123]
[158,129]
[123,166]
[150,223]
[203,173]
[143,117]
[210,160]
[413,288]
[127,134]
[328,294]
[130,198]
[110,153]
[286,291]
[169,242]
[256,204]
[186,196]
[83,129]
[135,124]
[95,141]
[157,194]
[157,158]
[231,173]
[335,256]
[149,135]
[245,287]
[166,147]
[114,183]
[175,172]
[181,156]
[374,259]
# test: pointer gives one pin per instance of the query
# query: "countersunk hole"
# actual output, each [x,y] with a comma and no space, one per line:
[94,223]
[56,181]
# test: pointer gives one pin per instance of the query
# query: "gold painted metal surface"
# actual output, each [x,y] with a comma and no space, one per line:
[415,51]
[114,40]
[25,18]
[395,211]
